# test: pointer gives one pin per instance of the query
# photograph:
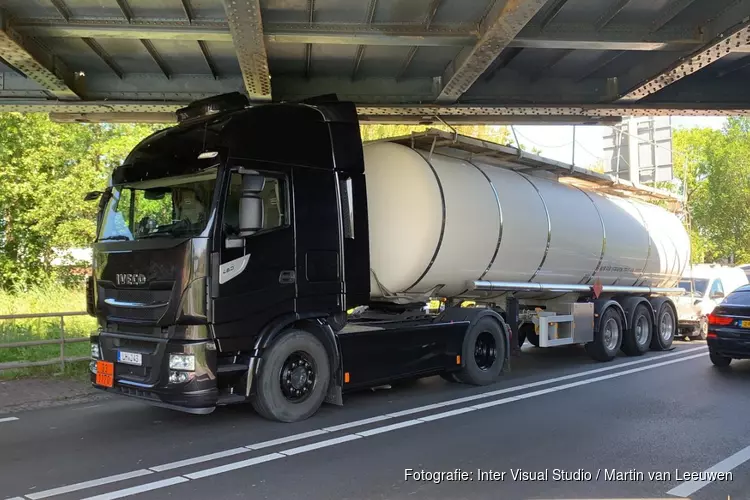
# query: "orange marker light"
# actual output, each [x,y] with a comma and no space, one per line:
[458,360]
[346,377]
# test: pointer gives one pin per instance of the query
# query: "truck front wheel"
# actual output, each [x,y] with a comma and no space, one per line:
[293,379]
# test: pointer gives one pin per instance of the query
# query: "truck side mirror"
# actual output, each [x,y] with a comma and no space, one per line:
[251,204]
[92,195]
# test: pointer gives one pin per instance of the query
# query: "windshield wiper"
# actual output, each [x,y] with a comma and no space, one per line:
[156,234]
[116,237]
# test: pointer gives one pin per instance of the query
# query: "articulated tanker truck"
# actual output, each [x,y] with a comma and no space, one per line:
[231,246]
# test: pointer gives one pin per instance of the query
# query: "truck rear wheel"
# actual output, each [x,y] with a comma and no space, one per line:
[529,332]
[637,338]
[608,337]
[483,353]
[665,328]
[293,379]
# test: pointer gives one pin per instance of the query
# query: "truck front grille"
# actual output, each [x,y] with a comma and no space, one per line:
[146,303]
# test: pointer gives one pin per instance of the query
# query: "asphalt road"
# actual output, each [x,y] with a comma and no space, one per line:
[575,428]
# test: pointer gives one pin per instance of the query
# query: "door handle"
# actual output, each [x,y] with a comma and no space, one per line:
[287,277]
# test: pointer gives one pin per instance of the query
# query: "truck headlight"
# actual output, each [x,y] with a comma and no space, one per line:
[95,350]
[183,362]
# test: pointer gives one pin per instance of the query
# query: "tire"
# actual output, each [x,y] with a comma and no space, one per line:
[637,338]
[529,331]
[608,337]
[283,357]
[703,328]
[665,327]
[522,336]
[719,360]
[483,353]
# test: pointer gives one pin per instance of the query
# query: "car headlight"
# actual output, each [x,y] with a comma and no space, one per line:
[95,350]
[184,362]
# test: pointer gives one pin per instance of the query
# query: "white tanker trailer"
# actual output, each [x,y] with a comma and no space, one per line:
[449,222]
[226,261]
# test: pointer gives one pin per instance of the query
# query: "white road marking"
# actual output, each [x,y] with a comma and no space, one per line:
[689,487]
[8,419]
[388,416]
[389,428]
[237,465]
[358,423]
[445,414]
[88,484]
[379,418]
[140,489]
[287,439]
[380,430]
[320,444]
[198,460]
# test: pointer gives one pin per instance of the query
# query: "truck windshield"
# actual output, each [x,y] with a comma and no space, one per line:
[168,207]
[698,286]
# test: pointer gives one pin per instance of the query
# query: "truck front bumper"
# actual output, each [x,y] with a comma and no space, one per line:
[153,381]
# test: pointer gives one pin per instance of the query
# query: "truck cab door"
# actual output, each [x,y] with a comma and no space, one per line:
[254,278]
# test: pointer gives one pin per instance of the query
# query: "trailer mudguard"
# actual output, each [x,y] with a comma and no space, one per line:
[602,305]
[630,303]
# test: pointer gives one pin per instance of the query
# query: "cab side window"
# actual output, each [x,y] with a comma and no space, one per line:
[716,287]
[273,196]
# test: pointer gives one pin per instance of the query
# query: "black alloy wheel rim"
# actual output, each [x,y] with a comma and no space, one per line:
[485,351]
[298,376]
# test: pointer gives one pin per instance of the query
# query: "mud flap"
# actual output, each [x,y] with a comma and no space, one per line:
[334,396]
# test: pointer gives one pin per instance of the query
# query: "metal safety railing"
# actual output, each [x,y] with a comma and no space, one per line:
[62,340]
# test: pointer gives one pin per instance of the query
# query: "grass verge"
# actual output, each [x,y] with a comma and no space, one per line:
[49,299]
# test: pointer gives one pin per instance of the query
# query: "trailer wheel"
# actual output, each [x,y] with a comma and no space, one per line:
[521,336]
[293,378]
[665,328]
[637,338]
[483,353]
[529,332]
[608,337]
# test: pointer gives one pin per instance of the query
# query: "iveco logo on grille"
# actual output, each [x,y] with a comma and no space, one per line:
[131,279]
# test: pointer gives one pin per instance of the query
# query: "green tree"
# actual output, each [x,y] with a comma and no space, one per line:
[45,170]
[718,189]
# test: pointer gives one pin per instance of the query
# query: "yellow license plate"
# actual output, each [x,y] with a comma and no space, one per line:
[745,323]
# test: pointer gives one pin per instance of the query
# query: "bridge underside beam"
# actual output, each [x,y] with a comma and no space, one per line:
[565,37]
[501,25]
[726,34]
[246,27]
[34,62]
[162,112]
